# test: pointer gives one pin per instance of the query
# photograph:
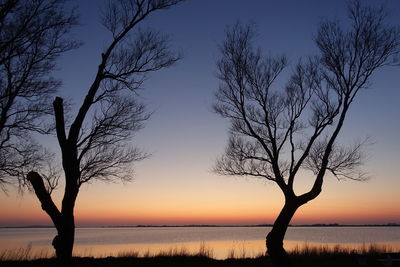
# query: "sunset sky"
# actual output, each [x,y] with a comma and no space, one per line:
[176,184]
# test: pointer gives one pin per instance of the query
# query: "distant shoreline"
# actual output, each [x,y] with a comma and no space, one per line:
[210,225]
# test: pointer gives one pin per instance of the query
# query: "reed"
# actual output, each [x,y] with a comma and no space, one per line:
[203,251]
[24,254]
[326,250]
[237,251]
[240,250]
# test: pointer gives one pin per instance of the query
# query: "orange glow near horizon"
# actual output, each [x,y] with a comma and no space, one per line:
[161,197]
[176,184]
[40,218]
[254,207]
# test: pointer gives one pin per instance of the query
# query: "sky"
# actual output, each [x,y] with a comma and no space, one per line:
[176,184]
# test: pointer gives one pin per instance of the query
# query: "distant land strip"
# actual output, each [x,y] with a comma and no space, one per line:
[211,225]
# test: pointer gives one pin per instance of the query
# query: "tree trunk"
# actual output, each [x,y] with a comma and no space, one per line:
[63,242]
[64,222]
[274,240]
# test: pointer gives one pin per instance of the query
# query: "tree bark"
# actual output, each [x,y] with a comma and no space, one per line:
[274,240]
[64,222]
[63,242]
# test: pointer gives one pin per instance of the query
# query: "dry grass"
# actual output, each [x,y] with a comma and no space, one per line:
[238,251]
[325,250]
[24,254]
[203,251]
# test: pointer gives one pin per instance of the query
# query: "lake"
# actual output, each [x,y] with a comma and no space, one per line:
[221,241]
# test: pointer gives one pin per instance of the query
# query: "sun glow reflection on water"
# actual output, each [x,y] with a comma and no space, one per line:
[216,242]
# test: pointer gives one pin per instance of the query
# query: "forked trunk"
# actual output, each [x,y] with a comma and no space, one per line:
[63,242]
[274,240]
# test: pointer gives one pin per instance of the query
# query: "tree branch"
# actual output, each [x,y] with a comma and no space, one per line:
[60,123]
[45,199]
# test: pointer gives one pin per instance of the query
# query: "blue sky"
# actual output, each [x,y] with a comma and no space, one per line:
[184,136]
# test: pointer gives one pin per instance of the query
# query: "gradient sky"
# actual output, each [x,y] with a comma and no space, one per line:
[176,184]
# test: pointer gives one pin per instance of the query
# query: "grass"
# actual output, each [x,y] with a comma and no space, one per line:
[24,254]
[304,255]
[325,250]
[204,251]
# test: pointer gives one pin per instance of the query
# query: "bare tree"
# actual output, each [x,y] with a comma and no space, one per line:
[276,133]
[33,35]
[99,148]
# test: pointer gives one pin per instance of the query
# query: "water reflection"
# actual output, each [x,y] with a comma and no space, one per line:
[216,242]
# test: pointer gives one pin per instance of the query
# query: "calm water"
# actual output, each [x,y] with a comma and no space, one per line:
[222,241]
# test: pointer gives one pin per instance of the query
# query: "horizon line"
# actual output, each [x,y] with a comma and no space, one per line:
[209,225]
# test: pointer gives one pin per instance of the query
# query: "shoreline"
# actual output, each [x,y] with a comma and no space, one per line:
[206,226]
[245,250]
[300,259]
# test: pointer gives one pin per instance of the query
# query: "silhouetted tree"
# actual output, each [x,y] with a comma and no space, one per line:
[99,149]
[276,133]
[33,34]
